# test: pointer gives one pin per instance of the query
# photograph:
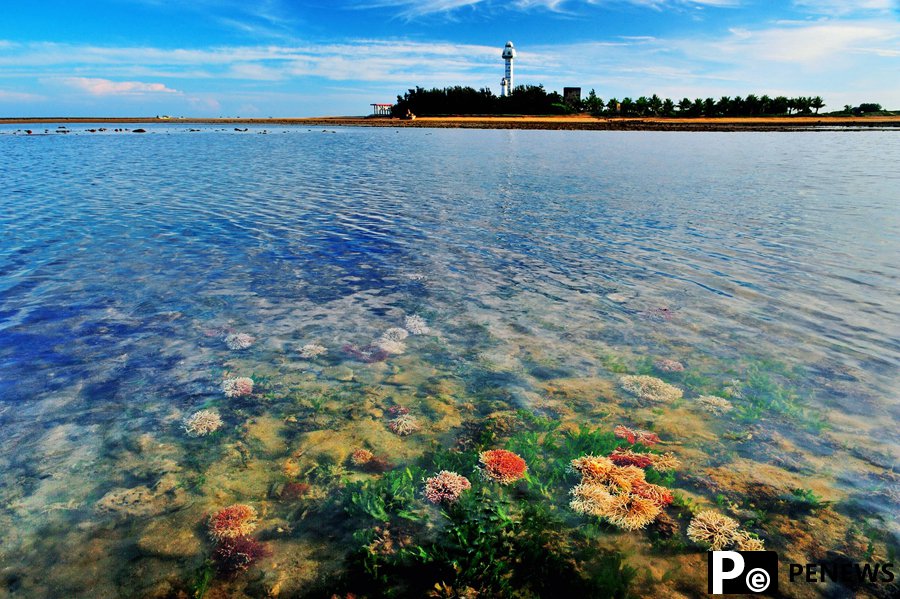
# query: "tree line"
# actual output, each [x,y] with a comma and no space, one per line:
[525,99]
[737,106]
[534,99]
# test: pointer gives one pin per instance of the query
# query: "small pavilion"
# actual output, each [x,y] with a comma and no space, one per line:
[381,109]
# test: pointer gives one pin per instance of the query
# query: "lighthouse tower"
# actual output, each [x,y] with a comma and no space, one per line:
[506,84]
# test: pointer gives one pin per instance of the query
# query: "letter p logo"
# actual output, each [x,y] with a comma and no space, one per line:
[732,572]
[717,571]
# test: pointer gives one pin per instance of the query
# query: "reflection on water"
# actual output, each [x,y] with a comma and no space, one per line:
[146,277]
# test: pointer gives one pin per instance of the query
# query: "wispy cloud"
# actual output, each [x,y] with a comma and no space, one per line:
[105,87]
[13,96]
[419,8]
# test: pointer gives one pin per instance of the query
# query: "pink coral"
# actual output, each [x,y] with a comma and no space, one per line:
[446,487]
[237,387]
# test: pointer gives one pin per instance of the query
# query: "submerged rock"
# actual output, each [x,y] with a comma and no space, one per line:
[164,496]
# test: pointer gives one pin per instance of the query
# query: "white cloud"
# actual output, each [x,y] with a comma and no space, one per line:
[846,7]
[11,96]
[418,8]
[105,87]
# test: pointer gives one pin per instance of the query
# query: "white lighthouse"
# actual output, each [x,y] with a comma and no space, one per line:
[506,84]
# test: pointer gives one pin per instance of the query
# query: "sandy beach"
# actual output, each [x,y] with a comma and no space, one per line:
[568,122]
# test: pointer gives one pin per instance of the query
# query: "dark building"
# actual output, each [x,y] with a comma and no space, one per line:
[572,95]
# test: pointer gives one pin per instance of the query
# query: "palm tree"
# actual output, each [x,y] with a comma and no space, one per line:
[655,104]
[817,103]
[668,107]
[683,106]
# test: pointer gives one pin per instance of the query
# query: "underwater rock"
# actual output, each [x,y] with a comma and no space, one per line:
[658,314]
[162,538]
[650,388]
[239,341]
[503,466]
[338,373]
[369,354]
[165,496]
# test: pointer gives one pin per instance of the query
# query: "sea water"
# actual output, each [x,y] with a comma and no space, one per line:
[542,267]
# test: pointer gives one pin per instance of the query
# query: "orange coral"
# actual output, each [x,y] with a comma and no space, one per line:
[503,466]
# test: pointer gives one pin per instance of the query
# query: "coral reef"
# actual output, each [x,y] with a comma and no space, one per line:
[744,542]
[446,487]
[397,410]
[361,457]
[416,325]
[503,466]
[239,341]
[667,365]
[661,496]
[650,388]
[626,457]
[404,425]
[665,462]
[312,350]
[394,334]
[237,520]
[233,555]
[202,423]
[291,468]
[391,346]
[713,530]
[636,436]
[631,511]
[714,404]
[618,493]
[237,387]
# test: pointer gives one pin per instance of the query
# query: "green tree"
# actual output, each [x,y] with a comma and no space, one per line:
[684,105]
[709,108]
[668,107]
[655,105]
[817,103]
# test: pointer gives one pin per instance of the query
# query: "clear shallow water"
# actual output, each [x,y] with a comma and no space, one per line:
[546,265]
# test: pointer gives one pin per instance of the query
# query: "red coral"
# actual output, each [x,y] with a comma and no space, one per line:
[627,457]
[233,521]
[661,496]
[238,554]
[294,490]
[503,466]
[636,436]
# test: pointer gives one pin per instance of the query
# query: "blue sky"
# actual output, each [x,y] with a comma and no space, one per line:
[334,57]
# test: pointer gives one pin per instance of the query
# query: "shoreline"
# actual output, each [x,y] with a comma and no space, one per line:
[565,123]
